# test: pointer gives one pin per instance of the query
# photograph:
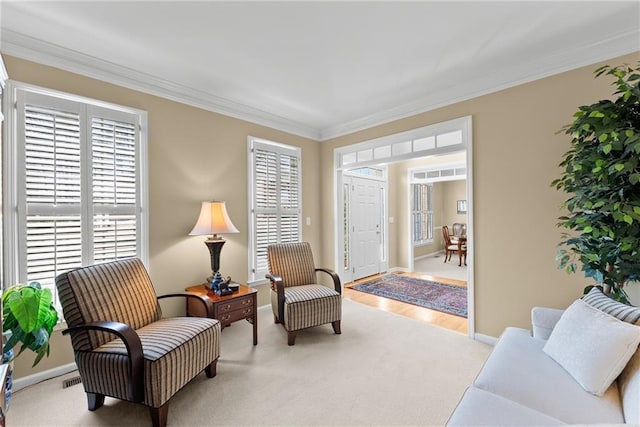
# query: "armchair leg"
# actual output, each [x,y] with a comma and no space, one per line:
[336,327]
[275,319]
[159,415]
[95,401]
[210,370]
[291,337]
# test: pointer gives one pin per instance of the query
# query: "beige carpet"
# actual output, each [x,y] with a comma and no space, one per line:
[384,369]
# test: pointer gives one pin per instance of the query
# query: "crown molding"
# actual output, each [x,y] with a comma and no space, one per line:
[534,69]
[25,47]
[29,48]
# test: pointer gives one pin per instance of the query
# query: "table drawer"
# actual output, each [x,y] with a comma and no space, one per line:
[236,304]
[231,316]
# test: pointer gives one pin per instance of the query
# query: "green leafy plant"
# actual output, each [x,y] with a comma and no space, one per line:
[602,175]
[29,315]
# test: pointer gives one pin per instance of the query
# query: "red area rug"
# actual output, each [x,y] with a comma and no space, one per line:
[424,293]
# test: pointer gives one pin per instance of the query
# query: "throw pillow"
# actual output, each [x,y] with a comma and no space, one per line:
[624,312]
[592,346]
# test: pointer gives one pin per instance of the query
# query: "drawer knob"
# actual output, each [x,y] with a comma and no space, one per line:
[247,301]
[227,317]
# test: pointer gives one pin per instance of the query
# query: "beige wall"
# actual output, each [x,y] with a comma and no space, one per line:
[453,191]
[516,152]
[194,155]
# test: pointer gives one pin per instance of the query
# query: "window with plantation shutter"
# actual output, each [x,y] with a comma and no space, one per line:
[75,185]
[274,198]
[422,212]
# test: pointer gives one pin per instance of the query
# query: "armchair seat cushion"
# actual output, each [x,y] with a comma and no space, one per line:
[175,350]
[306,306]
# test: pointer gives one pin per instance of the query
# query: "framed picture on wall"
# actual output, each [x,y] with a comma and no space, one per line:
[462,206]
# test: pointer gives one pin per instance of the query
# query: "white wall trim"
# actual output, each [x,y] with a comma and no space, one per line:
[40,51]
[20,383]
[486,339]
[399,269]
[4,76]
[430,254]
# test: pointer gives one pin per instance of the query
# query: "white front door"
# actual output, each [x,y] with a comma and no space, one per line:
[366,227]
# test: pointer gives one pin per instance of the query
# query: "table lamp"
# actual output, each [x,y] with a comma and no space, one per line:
[214,219]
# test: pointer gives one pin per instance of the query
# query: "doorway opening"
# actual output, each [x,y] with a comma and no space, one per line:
[438,208]
[392,225]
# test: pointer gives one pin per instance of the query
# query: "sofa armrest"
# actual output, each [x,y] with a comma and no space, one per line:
[543,320]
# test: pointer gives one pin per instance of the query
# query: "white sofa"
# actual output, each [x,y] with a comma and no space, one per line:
[521,385]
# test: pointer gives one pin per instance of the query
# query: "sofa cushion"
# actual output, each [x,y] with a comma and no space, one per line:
[629,379]
[629,385]
[592,346]
[624,312]
[519,370]
[543,320]
[482,408]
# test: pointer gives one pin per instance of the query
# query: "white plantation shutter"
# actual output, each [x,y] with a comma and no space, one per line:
[51,240]
[113,177]
[274,200]
[75,186]
[422,211]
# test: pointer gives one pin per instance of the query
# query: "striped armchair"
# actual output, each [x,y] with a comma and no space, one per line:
[297,300]
[123,346]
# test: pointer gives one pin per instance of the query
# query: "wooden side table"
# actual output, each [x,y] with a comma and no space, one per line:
[229,308]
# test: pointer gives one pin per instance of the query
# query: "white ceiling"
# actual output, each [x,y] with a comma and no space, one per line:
[319,69]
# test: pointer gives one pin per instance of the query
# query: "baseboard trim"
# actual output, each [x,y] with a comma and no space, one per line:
[432,254]
[400,269]
[20,383]
[486,339]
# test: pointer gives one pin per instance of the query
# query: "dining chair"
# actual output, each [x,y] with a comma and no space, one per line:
[449,246]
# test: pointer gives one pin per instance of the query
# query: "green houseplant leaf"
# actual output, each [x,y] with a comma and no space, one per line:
[601,175]
[29,316]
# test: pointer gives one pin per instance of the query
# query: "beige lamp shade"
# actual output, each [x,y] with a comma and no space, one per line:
[213,219]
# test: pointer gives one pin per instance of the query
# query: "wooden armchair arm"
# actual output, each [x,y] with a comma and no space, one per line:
[134,350]
[202,298]
[278,286]
[334,276]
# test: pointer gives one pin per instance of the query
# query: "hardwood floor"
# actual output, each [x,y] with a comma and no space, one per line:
[449,321]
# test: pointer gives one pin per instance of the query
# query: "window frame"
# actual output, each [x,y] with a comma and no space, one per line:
[14,200]
[254,275]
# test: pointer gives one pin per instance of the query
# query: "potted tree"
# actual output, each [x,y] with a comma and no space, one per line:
[601,174]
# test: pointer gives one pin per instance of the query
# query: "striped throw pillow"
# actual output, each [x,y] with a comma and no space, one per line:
[624,312]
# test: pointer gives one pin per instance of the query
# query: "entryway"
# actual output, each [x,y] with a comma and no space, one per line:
[355,253]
